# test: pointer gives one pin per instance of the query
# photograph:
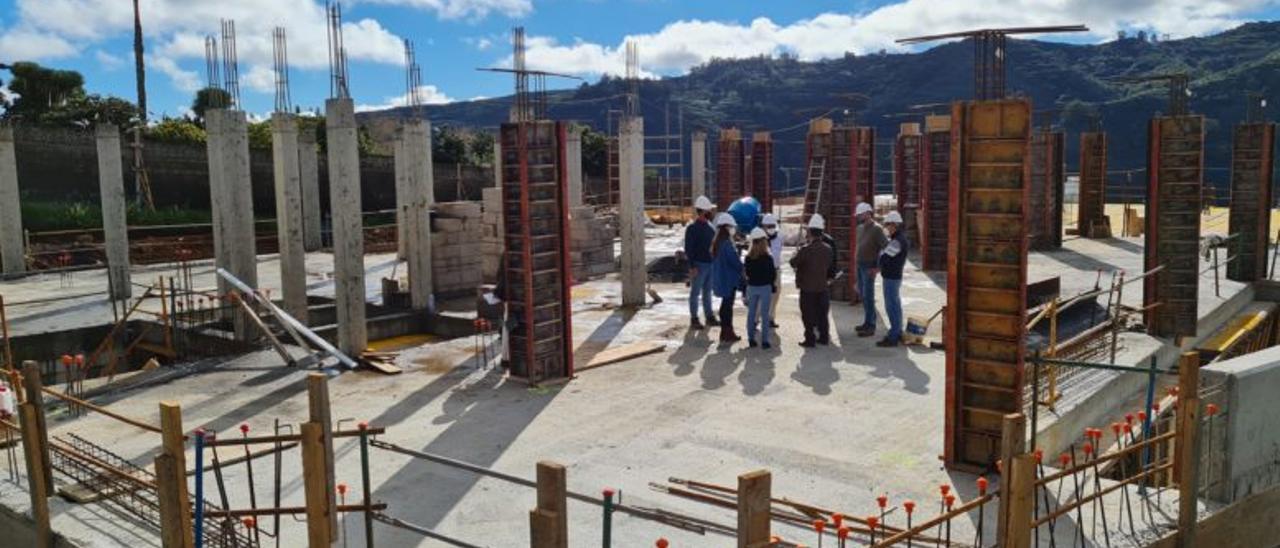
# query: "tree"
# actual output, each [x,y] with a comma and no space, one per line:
[41,89]
[595,153]
[177,130]
[208,98]
[481,148]
[260,135]
[447,146]
[88,110]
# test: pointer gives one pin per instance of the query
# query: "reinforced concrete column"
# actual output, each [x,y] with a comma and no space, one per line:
[12,257]
[420,183]
[401,159]
[631,211]
[237,215]
[309,179]
[289,223]
[698,161]
[573,156]
[348,226]
[114,222]
[213,127]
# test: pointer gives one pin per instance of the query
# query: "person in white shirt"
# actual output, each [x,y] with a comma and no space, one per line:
[770,225]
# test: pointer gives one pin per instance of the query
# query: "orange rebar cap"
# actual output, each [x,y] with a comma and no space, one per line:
[249,522]
[1039,455]
[662,543]
[909,506]
[1211,409]
[1064,459]
[873,521]
[1087,448]
[944,489]
[608,493]
[982,485]
[882,501]
[244,428]
[842,533]
[951,499]
[67,360]
[837,519]
[819,525]
[342,489]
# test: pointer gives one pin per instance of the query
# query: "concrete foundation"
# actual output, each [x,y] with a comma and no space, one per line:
[12,257]
[309,179]
[631,212]
[573,164]
[289,216]
[1240,444]
[416,211]
[114,222]
[403,200]
[348,236]
[698,161]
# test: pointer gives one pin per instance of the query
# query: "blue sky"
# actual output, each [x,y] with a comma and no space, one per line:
[583,37]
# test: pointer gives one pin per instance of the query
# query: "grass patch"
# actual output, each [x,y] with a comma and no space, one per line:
[43,216]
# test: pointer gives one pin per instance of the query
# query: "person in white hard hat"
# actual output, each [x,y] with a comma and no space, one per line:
[813,264]
[770,225]
[762,279]
[892,260]
[870,242]
[726,274]
[697,250]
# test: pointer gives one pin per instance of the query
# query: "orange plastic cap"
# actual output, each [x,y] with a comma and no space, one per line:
[244,428]
[1211,409]
[837,519]
[909,506]
[249,522]
[982,485]
[842,533]
[873,521]
[662,543]
[342,489]
[944,489]
[882,501]
[1088,448]
[951,499]
[819,525]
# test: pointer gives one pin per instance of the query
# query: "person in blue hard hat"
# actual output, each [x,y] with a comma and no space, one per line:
[697,250]
[726,273]
[892,261]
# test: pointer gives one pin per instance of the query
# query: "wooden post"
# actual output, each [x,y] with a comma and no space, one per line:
[1187,458]
[173,518]
[318,402]
[549,522]
[35,396]
[755,494]
[315,487]
[35,452]
[1013,437]
[1022,480]
[173,446]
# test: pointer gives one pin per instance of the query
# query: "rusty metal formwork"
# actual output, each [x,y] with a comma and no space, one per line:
[730,168]
[536,250]
[908,170]
[934,224]
[1045,194]
[1252,159]
[1175,177]
[1091,219]
[986,285]
[851,177]
[761,171]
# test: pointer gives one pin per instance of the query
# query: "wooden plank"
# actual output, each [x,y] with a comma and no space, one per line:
[624,353]
[543,531]
[271,337]
[384,367]
[173,445]
[1023,476]
[35,396]
[1187,458]
[318,405]
[36,451]
[754,495]
[1013,435]
[172,514]
[553,500]
[315,486]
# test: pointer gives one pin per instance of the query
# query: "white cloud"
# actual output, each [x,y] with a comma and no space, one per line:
[473,9]
[683,44]
[108,61]
[27,44]
[185,80]
[430,95]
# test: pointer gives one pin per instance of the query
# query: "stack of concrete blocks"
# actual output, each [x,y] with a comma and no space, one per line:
[491,234]
[456,261]
[591,245]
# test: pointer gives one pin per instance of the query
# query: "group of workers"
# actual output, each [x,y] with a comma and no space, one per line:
[717,267]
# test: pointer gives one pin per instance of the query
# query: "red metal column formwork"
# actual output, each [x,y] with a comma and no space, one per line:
[536,250]
[936,194]
[729,168]
[850,168]
[986,284]
[1091,219]
[762,169]
[1252,159]
[908,174]
[1175,177]
[1045,201]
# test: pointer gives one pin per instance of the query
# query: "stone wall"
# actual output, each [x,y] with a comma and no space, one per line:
[590,247]
[455,260]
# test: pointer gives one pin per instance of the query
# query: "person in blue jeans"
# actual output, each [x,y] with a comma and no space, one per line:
[697,250]
[726,274]
[762,278]
[868,245]
[892,261]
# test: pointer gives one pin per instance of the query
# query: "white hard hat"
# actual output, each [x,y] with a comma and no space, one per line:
[703,203]
[725,219]
[893,217]
[769,219]
[816,221]
[757,233]
[863,208]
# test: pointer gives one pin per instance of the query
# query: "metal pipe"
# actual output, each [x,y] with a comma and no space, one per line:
[365,484]
[422,531]
[199,502]
[286,318]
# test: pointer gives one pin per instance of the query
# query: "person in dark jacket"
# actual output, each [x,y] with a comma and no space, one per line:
[726,274]
[891,262]
[697,250]
[762,277]
[813,264]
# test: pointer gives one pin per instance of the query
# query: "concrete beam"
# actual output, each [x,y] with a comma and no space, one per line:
[401,161]
[631,211]
[698,157]
[240,245]
[348,225]
[114,218]
[420,186]
[12,257]
[573,157]
[309,178]
[289,222]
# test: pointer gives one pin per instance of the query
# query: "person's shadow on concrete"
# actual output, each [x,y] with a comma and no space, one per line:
[758,369]
[718,366]
[816,369]
[695,345]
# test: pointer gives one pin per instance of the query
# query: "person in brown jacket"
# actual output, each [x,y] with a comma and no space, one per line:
[812,264]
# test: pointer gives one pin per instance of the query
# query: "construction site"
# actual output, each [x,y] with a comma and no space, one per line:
[519,370]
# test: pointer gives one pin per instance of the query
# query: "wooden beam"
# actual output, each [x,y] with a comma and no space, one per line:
[553,502]
[318,404]
[1013,435]
[315,487]
[754,495]
[172,515]
[543,529]
[35,450]
[35,396]
[1187,458]
[173,445]
[1022,476]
